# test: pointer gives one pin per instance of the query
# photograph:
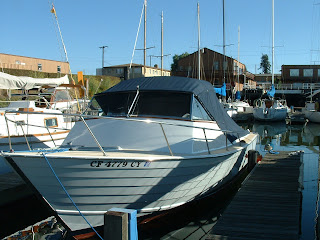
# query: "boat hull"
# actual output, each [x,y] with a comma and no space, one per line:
[143,182]
[270,114]
[313,116]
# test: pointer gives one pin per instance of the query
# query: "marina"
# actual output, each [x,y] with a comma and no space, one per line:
[205,150]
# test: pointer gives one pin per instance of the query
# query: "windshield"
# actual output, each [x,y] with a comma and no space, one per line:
[149,103]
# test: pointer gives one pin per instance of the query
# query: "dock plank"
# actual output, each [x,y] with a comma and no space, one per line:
[267,206]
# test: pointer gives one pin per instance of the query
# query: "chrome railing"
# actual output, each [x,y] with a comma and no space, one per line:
[83,118]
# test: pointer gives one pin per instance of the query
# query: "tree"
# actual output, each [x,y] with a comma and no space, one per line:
[176,58]
[265,64]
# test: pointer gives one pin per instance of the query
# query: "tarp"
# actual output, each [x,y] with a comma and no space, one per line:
[272,91]
[222,90]
[238,95]
[8,81]
[202,89]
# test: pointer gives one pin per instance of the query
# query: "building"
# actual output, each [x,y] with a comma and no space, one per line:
[300,74]
[137,70]
[34,64]
[266,78]
[214,70]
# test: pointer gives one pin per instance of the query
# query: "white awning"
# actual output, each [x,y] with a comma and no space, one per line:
[8,81]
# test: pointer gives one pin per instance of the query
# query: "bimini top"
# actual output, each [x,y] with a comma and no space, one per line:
[8,81]
[202,90]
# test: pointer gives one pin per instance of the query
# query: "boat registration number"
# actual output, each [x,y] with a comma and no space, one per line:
[115,164]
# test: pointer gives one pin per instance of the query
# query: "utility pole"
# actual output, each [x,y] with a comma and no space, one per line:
[103,47]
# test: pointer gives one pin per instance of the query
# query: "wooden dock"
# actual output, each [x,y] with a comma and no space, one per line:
[268,205]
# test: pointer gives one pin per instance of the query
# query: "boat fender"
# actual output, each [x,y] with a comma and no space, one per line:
[258,102]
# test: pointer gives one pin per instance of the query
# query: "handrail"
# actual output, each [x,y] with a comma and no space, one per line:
[95,139]
[161,123]
[5,117]
[123,118]
[25,137]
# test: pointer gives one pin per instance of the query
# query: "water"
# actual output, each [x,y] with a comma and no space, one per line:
[195,222]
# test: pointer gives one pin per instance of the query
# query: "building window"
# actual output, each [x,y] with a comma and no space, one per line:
[225,65]
[307,72]
[119,70]
[59,69]
[18,62]
[319,72]
[39,67]
[137,70]
[216,65]
[294,72]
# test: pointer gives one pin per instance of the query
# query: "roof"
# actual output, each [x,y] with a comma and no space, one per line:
[134,65]
[202,89]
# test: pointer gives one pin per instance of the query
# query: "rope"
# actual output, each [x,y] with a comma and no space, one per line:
[64,189]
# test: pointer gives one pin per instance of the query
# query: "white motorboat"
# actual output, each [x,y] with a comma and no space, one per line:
[162,142]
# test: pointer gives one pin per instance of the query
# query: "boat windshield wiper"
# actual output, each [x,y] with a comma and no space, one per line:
[133,102]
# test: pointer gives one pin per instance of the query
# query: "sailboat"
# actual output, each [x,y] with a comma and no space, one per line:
[311,110]
[270,109]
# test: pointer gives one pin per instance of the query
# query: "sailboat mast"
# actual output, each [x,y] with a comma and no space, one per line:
[272,42]
[162,43]
[145,36]
[199,64]
[238,58]
[224,44]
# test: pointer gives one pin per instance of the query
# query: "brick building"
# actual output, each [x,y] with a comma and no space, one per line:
[300,73]
[213,70]
[33,64]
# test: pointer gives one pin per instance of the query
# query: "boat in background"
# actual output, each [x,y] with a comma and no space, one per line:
[312,108]
[162,142]
[271,109]
[36,120]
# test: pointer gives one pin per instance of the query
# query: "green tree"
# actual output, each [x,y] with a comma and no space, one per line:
[176,58]
[265,64]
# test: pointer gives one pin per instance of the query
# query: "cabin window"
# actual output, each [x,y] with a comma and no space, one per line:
[198,112]
[51,122]
[151,103]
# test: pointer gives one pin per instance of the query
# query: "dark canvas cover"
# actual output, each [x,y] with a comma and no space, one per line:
[202,89]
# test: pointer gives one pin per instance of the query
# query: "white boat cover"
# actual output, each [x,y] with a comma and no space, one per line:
[8,81]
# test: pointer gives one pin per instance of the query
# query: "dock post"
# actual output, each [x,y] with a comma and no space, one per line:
[252,158]
[120,223]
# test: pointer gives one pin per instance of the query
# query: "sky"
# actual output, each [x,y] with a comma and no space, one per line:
[28,28]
